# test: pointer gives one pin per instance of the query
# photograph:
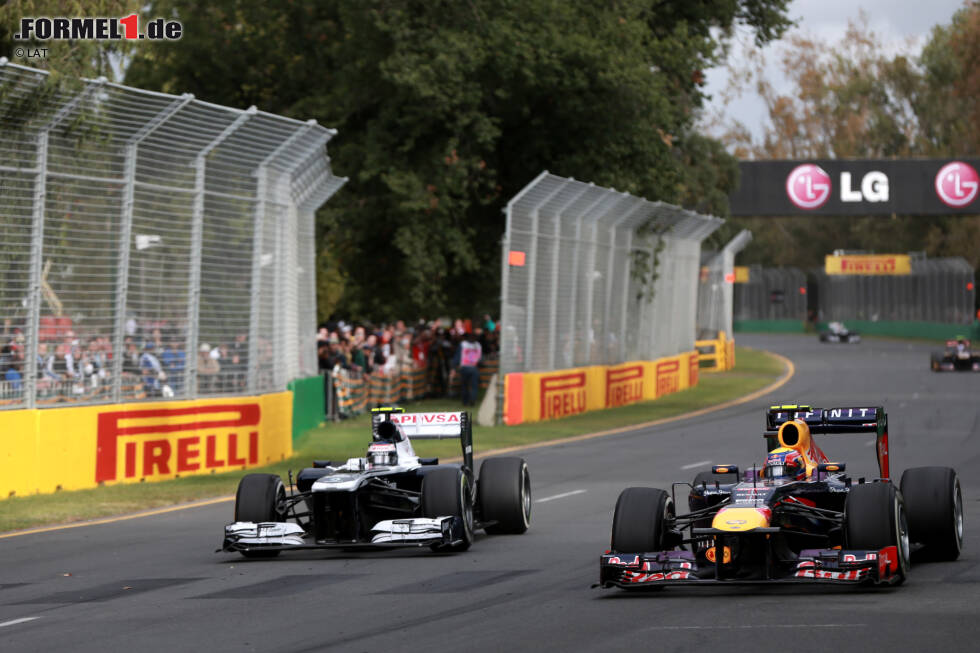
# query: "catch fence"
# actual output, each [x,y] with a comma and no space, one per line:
[715,292]
[154,245]
[937,290]
[771,294]
[593,276]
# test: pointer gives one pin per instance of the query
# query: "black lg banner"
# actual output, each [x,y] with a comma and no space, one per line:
[858,187]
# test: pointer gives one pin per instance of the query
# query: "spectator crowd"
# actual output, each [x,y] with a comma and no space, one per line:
[444,350]
[71,366]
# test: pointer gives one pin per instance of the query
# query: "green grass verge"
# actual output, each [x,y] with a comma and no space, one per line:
[754,370]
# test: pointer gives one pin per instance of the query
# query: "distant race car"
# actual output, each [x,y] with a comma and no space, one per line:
[797,519]
[837,332]
[957,357]
[390,498]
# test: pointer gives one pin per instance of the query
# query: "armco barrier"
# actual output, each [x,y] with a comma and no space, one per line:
[86,446]
[538,396]
[308,404]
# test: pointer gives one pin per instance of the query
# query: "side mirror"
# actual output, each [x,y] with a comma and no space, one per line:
[725,469]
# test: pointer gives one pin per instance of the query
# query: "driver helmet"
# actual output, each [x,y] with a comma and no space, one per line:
[785,465]
[382,451]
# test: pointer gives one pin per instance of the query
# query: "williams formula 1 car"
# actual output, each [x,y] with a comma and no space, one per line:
[390,498]
[957,357]
[798,519]
[837,332]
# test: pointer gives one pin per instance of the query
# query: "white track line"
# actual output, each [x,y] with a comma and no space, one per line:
[14,622]
[766,626]
[697,464]
[560,496]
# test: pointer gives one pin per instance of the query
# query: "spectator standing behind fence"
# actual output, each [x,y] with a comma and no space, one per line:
[207,369]
[467,359]
[174,361]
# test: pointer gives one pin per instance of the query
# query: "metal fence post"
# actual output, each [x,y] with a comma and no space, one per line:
[258,224]
[197,235]
[126,236]
[532,284]
[555,260]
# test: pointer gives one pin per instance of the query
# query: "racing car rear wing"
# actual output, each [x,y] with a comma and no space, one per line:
[432,426]
[849,419]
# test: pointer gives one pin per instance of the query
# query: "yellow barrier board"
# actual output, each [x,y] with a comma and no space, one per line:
[867,264]
[85,446]
[537,396]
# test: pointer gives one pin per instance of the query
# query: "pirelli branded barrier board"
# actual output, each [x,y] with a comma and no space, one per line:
[858,187]
[86,446]
[868,264]
[537,396]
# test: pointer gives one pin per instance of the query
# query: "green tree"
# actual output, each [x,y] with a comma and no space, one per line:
[446,109]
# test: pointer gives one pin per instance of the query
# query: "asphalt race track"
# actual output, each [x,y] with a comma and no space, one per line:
[155,583]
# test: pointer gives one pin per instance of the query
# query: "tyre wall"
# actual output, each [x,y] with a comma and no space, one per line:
[537,396]
[86,446]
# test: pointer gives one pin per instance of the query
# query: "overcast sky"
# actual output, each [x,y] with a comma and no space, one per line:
[895,21]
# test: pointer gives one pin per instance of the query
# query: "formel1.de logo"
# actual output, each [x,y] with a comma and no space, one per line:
[808,186]
[956,184]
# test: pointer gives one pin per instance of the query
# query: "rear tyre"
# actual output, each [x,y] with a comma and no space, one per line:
[504,491]
[874,518]
[260,498]
[934,503]
[447,492]
[643,516]
[934,363]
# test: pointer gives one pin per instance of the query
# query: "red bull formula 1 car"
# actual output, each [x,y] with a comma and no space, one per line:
[957,357]
[798,519]
[390,498]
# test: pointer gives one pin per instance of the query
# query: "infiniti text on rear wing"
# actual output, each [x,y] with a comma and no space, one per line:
[845,419]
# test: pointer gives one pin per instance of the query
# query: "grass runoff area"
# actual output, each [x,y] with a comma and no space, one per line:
[348,439]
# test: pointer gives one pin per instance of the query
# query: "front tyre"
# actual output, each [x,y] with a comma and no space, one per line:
[504,491]
[934,502]
[260,498]
[643,516]
[874,518]
[446,492]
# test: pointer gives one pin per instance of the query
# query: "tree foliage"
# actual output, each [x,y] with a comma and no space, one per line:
[446,109]
[856,99]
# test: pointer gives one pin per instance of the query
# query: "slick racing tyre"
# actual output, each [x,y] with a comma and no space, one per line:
[934,503]
[934,363]
[504,491]
[260,498]
[874,518]
[446,492]
[641,520]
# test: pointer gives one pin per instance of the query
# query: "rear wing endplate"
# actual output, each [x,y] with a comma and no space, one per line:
[433,426]
[845,419]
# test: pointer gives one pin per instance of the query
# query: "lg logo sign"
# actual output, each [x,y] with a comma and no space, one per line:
[956,184]
[808,187]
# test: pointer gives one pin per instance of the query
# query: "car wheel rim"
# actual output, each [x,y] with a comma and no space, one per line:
[958,514]
[467,508]
[526,495]
[903,536]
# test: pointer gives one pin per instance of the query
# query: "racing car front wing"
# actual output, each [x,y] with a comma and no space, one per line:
[414,532]
[657,569]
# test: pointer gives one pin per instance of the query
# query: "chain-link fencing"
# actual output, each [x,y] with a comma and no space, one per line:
[937,290]
[715,292]
[771,294]
[593,276]
[154,245]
